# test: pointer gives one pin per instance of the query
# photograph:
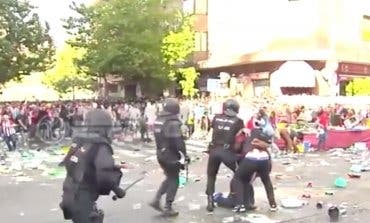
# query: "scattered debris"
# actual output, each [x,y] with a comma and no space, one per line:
[181,198]
[228,220]
[340,182]
[257,218]
[334,214]
[306,196]
[319,205]
[354,175]
[193,206]
[23,179]
[291,203]
[329,193]
[136,206]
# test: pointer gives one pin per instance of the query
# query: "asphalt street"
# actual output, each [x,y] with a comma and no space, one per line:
[37,201]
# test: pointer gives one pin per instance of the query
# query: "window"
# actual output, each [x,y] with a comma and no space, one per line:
[112,88]
[200,6]
[188,6]
[261,87]
[201,41]
[365,28]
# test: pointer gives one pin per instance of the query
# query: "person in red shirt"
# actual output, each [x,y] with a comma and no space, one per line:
[250,123]
[323,122]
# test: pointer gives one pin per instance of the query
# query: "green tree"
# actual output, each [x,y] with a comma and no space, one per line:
[359,87]
[25,44]
[141,41]
[177,48]
[65,77]
[122,37]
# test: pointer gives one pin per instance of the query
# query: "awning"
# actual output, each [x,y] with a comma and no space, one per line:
[294,74]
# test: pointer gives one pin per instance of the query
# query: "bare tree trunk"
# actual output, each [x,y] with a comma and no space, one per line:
[105,84]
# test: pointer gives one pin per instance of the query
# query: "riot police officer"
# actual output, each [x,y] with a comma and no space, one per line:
[221,150]
[170,148]
[91,171]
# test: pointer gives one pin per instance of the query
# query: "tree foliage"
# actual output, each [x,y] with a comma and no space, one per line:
[187,82]
[359,87]
[177,47]
[25,44]
[137,40]
[121,37]
[65,77]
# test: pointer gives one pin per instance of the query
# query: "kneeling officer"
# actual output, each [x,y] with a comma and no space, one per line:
[91,171]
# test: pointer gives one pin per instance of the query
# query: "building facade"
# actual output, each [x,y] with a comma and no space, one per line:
[282,46]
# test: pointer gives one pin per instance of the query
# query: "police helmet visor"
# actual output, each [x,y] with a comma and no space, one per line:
[230,112]
[99,121]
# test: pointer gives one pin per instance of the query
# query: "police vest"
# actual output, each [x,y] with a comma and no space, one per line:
[160,138]
[79,164]
[224,130]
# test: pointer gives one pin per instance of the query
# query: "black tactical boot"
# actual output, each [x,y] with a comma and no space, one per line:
[210,203]
[169,212]
[156,205]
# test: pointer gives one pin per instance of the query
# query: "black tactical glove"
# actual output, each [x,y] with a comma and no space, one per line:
[181,166]
[187,159]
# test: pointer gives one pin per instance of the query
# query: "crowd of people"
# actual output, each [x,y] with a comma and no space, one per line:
[241,136]
[196,115]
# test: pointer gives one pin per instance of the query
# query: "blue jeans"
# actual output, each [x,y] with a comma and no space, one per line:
[321,145]
[10,142]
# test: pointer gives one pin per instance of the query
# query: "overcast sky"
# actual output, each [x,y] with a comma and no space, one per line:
[53,11]
[366,7]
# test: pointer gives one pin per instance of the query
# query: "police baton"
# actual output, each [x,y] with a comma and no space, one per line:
[185,162]
[120,193]
[187,171]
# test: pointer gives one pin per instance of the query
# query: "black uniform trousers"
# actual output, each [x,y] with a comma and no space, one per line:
[219,155]
[169,163]
[245,173]
[85,208]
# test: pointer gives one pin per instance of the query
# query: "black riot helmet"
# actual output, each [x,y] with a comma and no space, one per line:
[231,107]
[170,107]
[100,122]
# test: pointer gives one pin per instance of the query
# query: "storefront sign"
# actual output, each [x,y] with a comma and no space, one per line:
[354,69]
[213,85]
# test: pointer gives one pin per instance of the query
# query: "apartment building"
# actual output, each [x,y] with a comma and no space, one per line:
[282,46]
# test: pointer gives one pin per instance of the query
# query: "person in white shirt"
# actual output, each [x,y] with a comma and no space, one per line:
[256,161]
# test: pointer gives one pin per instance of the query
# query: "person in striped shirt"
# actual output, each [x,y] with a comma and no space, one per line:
[8,132]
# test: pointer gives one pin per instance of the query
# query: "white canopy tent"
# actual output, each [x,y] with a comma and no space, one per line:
[298,74]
